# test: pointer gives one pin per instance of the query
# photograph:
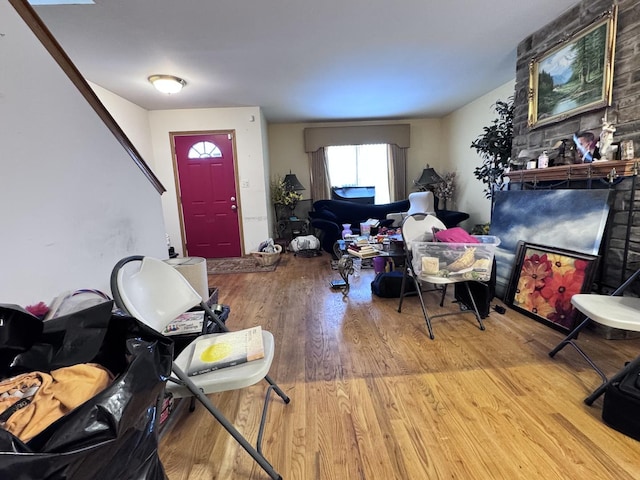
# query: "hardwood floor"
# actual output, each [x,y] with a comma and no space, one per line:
[372,397]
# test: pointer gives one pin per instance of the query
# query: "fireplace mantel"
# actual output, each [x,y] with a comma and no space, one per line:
[609,169]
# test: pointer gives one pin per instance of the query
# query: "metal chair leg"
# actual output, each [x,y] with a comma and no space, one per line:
[403,286]
[475,307]
[277,389]
[569,338]
[424,310]
[444,294]
[621,374]
[204,400]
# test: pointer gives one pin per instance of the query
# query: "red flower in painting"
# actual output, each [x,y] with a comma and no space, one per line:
[540,306]
[580,265]
[563,313]
[559,288]
[537,268]
[526,287]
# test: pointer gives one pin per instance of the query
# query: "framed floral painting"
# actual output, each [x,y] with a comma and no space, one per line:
[544,280]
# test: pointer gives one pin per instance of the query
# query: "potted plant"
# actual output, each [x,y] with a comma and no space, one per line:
[494,147]
[281,196]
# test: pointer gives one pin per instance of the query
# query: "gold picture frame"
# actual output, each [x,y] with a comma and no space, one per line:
[558,89]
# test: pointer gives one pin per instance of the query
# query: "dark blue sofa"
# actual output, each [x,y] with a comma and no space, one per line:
[328,216]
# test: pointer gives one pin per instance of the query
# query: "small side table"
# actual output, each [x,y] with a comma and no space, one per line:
[290,228]
[345,264]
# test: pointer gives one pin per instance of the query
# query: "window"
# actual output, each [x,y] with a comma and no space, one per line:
[204,150]
[360,166]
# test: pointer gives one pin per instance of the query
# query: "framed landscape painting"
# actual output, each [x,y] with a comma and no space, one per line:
[544,280]
[575,76]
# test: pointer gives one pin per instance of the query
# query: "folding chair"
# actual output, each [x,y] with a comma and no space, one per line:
[417,228]
[616,311]
[156,293]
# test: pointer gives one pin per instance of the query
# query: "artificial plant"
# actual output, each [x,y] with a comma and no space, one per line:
[494,147]
[281,195]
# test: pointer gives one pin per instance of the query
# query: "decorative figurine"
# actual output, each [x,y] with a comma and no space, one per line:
[607,150]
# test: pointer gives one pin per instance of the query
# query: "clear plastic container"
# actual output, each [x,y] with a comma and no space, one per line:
[455,261]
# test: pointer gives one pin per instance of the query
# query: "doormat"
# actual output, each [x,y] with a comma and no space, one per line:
[218,266]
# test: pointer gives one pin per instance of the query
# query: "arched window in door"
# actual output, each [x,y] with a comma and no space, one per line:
[204,150]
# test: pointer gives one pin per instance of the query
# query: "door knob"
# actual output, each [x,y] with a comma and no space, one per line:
[233,207]
[233,199]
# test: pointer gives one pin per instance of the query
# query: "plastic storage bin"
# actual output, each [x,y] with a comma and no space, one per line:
[444,262]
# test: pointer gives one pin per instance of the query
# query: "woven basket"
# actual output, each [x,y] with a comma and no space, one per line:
[266,259]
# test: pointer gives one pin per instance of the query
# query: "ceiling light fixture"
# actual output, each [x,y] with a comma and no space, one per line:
[167,83]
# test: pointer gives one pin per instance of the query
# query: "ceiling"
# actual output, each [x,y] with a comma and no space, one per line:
[302,60]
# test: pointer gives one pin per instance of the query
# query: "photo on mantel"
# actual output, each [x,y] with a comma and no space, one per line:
[570,219]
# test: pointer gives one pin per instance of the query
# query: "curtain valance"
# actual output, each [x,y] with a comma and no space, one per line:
[318,137]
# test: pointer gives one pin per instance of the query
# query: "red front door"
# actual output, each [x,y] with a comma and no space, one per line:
[206,173]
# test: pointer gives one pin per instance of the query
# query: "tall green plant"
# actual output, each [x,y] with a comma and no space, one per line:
[494,147]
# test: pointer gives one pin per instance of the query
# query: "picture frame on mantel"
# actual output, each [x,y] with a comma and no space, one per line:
[544,280]
[576,75]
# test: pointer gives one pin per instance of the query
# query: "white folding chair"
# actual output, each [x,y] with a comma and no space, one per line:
[156,293]
[615,311]
[422,202]
[418,228]
[419,202]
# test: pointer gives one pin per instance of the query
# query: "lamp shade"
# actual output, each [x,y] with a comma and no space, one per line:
[167,83]
[292,183]
[429,177]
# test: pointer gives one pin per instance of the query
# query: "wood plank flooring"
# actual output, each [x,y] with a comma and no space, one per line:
[372,397]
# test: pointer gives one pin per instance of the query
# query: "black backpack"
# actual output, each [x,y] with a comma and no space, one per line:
[621,407]
[389,284]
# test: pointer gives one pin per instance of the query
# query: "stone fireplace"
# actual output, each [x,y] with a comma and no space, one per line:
[621,245]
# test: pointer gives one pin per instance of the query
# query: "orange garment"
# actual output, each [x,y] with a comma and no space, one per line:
[51,396]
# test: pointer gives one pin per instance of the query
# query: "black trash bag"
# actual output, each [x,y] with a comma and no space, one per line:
[112,435]
[67,340]
[18,330]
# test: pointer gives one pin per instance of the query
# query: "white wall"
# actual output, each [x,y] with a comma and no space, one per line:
[133,120]
[251,160]
[72,202]
[461,128]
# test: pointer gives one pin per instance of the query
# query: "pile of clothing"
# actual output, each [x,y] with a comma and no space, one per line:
[32,401]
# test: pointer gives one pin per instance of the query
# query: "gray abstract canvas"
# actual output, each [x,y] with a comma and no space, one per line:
[573,219]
